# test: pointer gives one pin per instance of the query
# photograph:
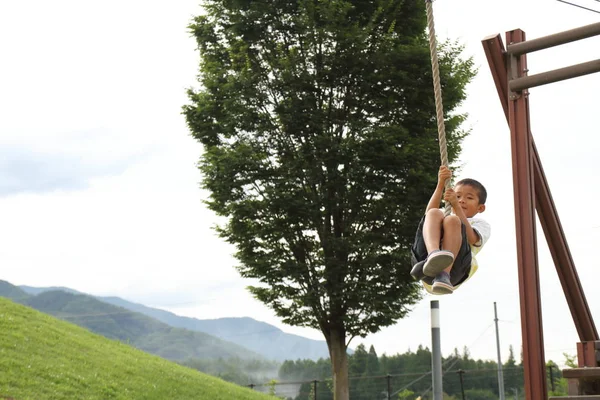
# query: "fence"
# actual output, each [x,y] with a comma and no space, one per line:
[474,384]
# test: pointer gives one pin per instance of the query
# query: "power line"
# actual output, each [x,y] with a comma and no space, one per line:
[577,5]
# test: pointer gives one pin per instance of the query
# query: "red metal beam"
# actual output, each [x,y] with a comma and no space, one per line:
[561,255]
[523,181]
[549,219]
[496,56]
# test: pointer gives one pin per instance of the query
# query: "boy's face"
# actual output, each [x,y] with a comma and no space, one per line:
[468,199]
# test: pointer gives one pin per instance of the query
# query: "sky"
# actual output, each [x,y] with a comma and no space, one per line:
[99,189]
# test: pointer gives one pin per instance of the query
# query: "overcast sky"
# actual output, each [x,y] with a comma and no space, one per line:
[99,191]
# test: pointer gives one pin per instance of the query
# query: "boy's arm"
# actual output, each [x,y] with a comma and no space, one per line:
[436,198]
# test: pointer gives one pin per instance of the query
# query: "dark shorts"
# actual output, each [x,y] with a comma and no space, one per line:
[462,262]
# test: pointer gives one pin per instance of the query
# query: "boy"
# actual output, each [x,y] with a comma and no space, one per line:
[445,246]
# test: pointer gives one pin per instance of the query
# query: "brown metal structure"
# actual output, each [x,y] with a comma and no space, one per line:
[532,193]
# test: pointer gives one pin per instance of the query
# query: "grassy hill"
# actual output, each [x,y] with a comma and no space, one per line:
[259,337]
[42,357]
[136,329]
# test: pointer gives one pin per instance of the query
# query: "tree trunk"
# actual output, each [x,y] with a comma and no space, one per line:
[339,362]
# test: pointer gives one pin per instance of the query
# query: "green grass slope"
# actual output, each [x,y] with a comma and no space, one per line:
[133,328]
[42,357]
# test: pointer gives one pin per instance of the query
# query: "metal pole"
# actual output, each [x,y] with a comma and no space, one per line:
[462,383]
[389,387]
[556,75]
[500,375]
[551,377]
[315,388]
[555,39]
[516,393]
[436,353]
[534,366]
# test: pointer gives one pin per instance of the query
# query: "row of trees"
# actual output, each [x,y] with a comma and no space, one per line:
[407,374]
[403,376]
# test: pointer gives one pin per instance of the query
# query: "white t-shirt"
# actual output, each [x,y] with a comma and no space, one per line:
[483,229]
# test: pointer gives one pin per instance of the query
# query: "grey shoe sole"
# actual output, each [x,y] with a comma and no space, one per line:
[418,275]
[442,288]
[437,262]
[417,271]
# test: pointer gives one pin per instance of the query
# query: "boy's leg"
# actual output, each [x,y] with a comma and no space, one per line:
[432,229]
[452,241]
[452,236]
[437,260]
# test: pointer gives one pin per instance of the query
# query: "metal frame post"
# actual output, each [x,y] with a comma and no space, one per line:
[436,351]
[530,184]
[529,289]
[546,209]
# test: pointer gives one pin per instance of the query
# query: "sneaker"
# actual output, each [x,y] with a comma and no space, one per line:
[442,284]
[418,275]
[417,271]
[437,261]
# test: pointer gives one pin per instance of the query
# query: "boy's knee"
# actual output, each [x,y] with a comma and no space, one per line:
[452,221]
[435,213]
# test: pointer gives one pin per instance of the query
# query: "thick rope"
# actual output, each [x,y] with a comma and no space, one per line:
[437,89]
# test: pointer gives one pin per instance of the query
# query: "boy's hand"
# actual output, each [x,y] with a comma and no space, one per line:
[443,174]
[450,196]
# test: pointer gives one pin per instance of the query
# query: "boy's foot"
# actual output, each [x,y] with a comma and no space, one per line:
[442,284]
[437,261]
[417,271]
[418,275]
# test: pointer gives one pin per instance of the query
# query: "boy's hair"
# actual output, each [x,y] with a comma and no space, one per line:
[477,185]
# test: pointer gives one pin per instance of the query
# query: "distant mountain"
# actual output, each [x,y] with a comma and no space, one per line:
[34,291]
[257,336]
[260,337]
[12,292]
[136,329]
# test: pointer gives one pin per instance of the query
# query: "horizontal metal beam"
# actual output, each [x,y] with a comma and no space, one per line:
[556,39]
[556,75]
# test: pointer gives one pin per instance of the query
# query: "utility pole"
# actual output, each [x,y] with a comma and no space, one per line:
[462,383]
[551,377]
[500,375]
[389,387]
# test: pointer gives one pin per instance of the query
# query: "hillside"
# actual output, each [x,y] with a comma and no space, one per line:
[12,292]
[263,338]
[137,329]
[260,337]
[46,358]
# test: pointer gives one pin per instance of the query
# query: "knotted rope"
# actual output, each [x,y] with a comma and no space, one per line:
[437,89]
